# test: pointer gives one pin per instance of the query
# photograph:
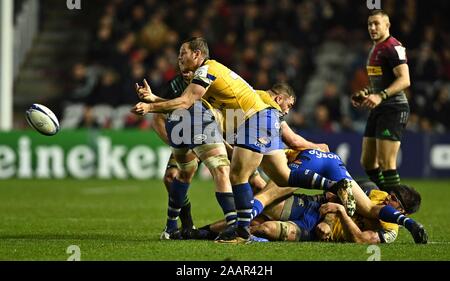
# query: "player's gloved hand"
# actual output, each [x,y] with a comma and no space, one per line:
[145,92]
[141,108]
[359,97]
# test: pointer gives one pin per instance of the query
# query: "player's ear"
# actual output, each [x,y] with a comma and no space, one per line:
[278,98]
[197,53]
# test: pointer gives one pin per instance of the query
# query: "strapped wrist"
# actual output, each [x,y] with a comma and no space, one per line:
[384,94]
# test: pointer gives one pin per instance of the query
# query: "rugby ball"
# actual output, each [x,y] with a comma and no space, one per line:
[42,119]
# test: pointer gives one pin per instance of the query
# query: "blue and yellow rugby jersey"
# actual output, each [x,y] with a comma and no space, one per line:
[267,99]
[387,231]
[227,90]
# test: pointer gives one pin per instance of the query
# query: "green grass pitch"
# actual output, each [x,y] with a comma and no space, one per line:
[122,220]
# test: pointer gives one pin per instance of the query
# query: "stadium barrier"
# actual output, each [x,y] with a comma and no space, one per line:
[124,154]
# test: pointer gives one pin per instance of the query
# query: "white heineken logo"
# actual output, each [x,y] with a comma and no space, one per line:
[103,160]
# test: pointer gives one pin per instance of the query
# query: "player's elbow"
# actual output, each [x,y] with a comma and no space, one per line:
[406,82]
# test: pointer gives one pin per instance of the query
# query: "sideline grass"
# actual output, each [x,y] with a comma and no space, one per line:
[122,220]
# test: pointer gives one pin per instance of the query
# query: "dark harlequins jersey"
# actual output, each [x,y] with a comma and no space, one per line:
[176,88]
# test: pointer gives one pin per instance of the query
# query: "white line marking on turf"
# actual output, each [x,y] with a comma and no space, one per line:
[439,242]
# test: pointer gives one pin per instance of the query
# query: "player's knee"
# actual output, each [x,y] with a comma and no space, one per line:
[238,176]
[388,163]
[169,176]
[186,175]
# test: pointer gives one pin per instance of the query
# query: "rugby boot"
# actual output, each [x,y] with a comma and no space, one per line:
[345,194]
[419,234]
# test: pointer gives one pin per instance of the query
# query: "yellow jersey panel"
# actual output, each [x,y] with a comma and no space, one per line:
[267,99]
[227,90]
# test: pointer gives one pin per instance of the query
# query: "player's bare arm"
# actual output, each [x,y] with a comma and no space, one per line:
[297,142]
[191,94]
[401,82]
[145,93]
[159,125]
[352,232]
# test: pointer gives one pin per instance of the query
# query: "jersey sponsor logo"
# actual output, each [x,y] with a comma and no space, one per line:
[320,154]
[386,133]
[374,70]
[262,142]
[199,138]
[277,125]
[202,71]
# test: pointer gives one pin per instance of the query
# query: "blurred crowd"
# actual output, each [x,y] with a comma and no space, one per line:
[265,42]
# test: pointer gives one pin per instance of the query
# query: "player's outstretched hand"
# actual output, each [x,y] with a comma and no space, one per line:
[145,92]
[141,108]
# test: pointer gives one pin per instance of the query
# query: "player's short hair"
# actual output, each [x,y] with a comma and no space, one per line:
[283,88]
[198,43]
[378,12]
[408,196]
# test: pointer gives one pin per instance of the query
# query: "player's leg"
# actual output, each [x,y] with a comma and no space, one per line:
[170,174]
[243,163]
[214,156]
[275,166]
[187,162]
[387,152]
[369,159]
[366,208]
[268,195]
[293,219]
[276,231]
[389,131]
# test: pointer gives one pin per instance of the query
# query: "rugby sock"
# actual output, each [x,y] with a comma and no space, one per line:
[376,175]
[390,214]
[305,178]
[243,197]
[185,214]
[257,208]
[177,195]
[391,178]
[226,202]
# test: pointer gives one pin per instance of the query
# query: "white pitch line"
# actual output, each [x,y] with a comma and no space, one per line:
[439,242]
